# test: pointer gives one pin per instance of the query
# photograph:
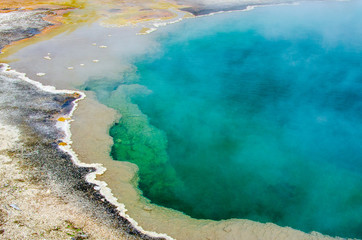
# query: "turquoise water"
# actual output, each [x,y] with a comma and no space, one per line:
[254,115]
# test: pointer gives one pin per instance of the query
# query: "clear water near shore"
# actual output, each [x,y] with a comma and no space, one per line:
[252,115]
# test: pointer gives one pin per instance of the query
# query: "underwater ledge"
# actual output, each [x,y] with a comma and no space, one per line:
[43,115]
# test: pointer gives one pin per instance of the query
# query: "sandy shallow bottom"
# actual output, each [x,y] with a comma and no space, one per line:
[92,121]
[94,147]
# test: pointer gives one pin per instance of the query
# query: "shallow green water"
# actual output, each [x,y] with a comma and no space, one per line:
[251,115]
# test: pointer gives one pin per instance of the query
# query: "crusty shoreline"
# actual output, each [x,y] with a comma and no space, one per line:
[17,26]
[31,209]
[35,113]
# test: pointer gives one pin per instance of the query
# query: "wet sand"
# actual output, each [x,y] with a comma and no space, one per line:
[64,71]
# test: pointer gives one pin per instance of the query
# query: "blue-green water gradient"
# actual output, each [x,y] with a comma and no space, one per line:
[254,115]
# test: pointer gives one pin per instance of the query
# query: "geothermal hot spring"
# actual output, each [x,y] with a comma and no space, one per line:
[253,115]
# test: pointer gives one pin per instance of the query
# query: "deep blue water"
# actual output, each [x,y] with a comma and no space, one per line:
[254,115]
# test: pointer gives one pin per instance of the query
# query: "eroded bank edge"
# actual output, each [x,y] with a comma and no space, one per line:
[100,186]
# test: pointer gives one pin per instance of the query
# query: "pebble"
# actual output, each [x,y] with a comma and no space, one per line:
[70,68]
[80,236]
[147,208]
[95,60]
[47,57]
[82,64]
[14,206]
[227,229]
[103,46]
[40,74]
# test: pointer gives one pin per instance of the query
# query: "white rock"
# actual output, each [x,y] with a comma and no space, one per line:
[14,206]
[147,208]
[47,57]
[40,74]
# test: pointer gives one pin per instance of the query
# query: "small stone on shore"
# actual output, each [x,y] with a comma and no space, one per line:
[147,208]
[14,206]
[80,236]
